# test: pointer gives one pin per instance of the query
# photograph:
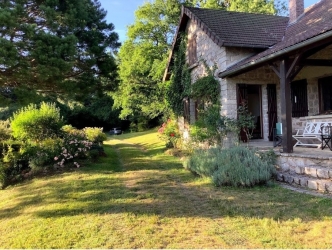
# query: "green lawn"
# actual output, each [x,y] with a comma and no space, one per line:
[139,197]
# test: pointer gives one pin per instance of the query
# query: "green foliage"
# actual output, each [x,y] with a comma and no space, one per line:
[143,58]
[73,133]
[245,121]
[179,85]
[237,166]
[11,166]
[96,111]
[169,132]
[258,6]
[57,46]
[206,89]
[36,123]
[41,154]
[211,127]
[5,130]
[95,135]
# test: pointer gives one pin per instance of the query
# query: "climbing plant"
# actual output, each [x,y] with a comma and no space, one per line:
[179,84]
[206,88]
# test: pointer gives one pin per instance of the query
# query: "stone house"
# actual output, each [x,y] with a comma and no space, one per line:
[282,66]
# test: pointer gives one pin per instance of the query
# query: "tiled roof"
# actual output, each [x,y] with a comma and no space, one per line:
[316,21]
[232,29]
[239,29]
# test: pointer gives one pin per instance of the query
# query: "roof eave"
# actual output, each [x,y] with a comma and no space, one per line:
[273,56]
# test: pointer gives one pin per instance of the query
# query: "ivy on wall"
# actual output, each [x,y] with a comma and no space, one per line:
[206,88]
[179,84]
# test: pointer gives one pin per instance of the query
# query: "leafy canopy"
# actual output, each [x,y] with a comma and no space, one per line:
[56,46]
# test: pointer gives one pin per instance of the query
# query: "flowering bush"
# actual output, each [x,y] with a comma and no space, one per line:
[41,154]
[74,146]
[169,132]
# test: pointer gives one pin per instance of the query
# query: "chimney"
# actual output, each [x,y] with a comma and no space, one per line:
[296,9]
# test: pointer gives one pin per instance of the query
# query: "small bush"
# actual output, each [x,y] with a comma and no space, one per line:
[169,132]
[237,166]
[36,124]
[11,167]
[70,132]
[5,130]
[41,154]
[95,135]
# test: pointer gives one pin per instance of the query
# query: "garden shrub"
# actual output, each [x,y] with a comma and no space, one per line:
[236,166]
[203,162]
[70,132]
[75,146]
[5,130]
[37,123]
[41,154]
[169,132]
[11,167]
[95,135]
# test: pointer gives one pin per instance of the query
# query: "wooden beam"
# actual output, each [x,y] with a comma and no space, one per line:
[296,70]
[286,108]
[293,65]
[275,69]
[317,62]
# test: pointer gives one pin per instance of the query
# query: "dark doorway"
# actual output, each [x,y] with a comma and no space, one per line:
[272,108]
[251,94]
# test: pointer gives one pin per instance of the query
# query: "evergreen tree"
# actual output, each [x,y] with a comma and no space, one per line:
[61,46]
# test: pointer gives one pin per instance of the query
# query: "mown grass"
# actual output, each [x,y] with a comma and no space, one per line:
[139,197]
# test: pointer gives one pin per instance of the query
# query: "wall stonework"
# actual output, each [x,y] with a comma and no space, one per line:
[211,53]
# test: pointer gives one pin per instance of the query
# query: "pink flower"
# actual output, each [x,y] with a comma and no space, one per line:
[56,158]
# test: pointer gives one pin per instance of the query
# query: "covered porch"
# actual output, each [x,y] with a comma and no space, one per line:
[302,62]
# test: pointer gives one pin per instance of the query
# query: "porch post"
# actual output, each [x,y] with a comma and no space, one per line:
[286,108]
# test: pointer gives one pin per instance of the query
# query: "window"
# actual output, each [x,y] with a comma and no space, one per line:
[299,98]
[192,50]
[325,90]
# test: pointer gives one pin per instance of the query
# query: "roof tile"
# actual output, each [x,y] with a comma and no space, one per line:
[241,29]
[316,20]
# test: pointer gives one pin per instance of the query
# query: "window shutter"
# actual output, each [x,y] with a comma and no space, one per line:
[299,98]
[325,85]
[192,50]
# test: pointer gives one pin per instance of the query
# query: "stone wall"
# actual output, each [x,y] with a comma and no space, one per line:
[208,51]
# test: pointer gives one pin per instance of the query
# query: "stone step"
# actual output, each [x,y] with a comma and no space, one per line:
[312,171]
[300,180]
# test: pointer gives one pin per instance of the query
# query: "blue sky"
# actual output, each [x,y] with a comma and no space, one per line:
[121,13]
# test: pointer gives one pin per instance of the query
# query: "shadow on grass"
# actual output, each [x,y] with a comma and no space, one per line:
[134,180]
[162,194]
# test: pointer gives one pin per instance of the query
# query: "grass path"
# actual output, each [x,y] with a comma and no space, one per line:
[139,197]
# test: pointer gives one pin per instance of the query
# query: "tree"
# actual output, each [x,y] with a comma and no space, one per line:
[56,46]
[143,57]
[256,6]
